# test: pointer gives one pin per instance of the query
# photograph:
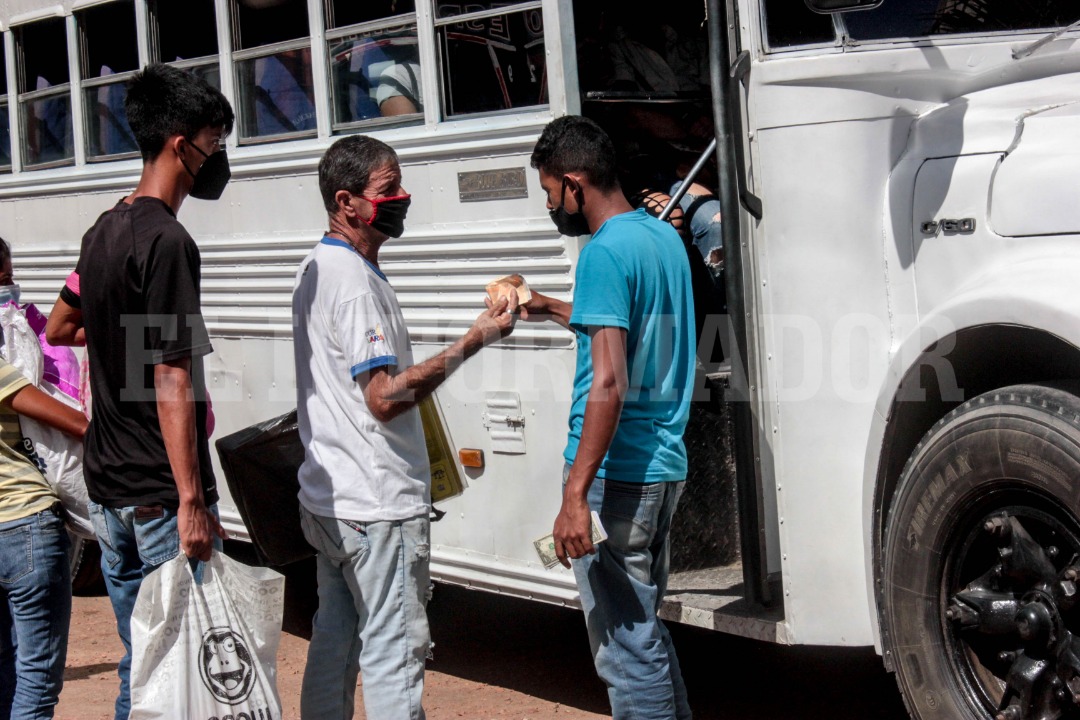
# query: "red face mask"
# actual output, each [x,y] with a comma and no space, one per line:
[388,214]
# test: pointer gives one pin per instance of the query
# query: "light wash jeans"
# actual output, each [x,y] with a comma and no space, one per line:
[705,225]
[133,543]
[621,589]
[374,584]
[35,612]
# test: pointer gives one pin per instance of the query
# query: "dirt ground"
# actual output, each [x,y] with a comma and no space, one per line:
[499,658]
[90,680]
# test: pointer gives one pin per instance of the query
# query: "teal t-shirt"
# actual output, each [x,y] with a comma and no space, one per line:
[633,274]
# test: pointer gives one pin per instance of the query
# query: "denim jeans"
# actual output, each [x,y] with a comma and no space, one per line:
[134,541]
[35,581]
[621,588]
[374,584]
[705,226]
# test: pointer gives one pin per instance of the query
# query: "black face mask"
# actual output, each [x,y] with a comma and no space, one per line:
[569,224]
[388,215]
[212,177]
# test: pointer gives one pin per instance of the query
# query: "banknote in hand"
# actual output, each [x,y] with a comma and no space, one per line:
[545,546]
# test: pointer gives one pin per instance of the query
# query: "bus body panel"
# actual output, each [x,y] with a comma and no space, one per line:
[838,141]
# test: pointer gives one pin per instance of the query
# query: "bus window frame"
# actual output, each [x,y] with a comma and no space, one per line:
[336,35]
[436,130]
[263,51]
[91,84]
[153,31]
[239,56]
[22,99]
[86,83]
[444,101]
[4,109]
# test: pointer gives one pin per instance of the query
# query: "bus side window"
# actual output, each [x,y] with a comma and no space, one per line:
[109,57]
[374,61]
[185,35]
[44,93]
[5,129]
[921,18]
[789,23]
[272,54]
[490,63]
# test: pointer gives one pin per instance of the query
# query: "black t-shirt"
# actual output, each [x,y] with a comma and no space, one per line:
[139,282]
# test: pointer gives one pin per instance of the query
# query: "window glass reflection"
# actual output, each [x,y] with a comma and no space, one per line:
[494,63]
[450,8]
[342,13]
[47,130]
[376,75]
[5,136]
[276,94]
[921,18]
[107,129]
[185,30]
[108,43]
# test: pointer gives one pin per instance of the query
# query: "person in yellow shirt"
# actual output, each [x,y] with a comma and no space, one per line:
[35,577]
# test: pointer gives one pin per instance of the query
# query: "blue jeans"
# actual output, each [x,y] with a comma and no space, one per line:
[134,541]
[621,588]
[35,582]
[705,226]
[374,584]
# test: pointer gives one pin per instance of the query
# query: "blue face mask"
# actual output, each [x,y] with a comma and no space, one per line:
[9,293]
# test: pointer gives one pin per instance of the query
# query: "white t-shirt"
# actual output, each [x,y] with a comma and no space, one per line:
[400,79]
[346,321]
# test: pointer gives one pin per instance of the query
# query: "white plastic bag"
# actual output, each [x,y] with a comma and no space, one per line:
[209,650]
[59,455]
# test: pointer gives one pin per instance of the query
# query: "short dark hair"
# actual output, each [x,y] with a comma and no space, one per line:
[348,165]
[163,101]
[577,144]
[5,252]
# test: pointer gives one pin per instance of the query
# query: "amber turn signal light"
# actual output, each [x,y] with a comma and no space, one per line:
[471,458]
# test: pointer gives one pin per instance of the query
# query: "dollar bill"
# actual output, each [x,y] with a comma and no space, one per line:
[545,546]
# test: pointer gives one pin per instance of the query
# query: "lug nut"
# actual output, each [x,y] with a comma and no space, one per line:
[1052,551]
[1072,573]
[1007,656]
[998,526]
[1010,713]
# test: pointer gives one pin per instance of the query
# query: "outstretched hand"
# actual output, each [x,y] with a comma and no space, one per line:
[497,321]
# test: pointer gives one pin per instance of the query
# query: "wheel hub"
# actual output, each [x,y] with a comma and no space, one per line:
[1020,604]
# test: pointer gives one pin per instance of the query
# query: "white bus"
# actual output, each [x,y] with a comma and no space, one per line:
[896,462]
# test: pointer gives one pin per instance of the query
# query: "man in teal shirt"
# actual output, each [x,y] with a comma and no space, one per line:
[633,314]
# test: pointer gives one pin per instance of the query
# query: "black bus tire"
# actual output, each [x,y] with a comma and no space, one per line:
[1011,452]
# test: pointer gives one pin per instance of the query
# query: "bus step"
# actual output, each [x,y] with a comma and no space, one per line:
[721,373]
[712,598]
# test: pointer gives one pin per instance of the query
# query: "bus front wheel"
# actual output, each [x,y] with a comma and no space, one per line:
[981,567]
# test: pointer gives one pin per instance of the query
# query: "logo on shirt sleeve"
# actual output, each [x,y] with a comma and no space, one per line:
[376,335]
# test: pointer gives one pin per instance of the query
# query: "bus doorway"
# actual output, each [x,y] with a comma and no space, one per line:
[644,76]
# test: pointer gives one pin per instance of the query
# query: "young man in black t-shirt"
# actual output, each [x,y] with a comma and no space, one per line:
[147,457]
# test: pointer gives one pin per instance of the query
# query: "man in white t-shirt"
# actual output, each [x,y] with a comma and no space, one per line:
[400,91]
[364,483]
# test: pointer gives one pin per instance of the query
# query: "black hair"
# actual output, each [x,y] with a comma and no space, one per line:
[163,101]
[348,165]
[577,144]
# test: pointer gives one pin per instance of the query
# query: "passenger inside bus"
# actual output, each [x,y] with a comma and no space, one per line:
[645,80]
